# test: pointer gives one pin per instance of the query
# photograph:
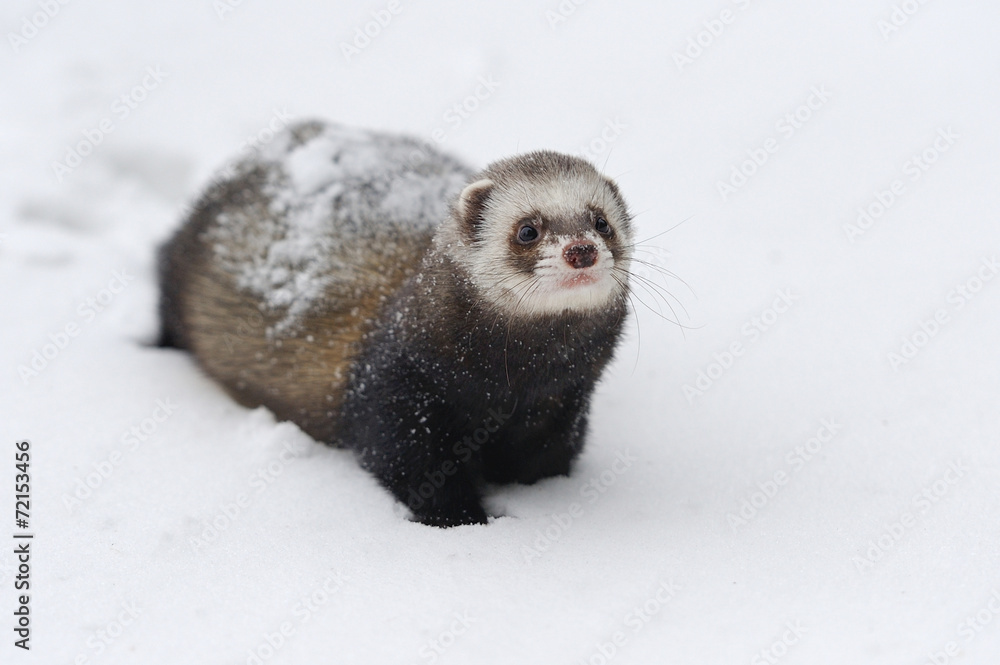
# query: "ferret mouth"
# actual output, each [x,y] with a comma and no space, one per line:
[580,278]
[555,292]
[577,288]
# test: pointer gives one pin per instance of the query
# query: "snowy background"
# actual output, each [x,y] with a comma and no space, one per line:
[807,473]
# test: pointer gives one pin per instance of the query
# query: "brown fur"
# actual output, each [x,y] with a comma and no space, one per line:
[300,374]
[304,374]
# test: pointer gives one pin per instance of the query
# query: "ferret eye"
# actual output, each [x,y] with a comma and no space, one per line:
[527,234]
[602,226]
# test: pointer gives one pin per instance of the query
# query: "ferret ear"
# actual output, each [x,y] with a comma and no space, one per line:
[472,201]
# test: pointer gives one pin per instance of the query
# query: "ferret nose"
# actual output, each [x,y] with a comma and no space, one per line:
[581,254]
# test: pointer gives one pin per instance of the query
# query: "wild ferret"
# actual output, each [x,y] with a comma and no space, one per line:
[446,325]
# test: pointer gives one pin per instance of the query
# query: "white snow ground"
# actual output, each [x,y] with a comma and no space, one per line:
[881,545]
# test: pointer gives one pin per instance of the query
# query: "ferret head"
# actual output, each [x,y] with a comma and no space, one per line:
[543,234]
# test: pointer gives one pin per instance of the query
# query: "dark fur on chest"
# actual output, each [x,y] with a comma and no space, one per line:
[448,394]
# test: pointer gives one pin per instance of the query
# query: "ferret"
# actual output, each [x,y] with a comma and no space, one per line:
[448,326]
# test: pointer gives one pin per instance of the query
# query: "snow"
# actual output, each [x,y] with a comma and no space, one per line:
[400,187]
[792,312]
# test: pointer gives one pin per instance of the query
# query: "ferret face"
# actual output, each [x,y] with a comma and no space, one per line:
[543,234]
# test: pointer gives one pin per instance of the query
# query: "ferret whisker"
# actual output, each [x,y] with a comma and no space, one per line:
[665,296]
[532,286]
[658,268]
[640,242]
[658,313]
[666,273]
[638,334]
[513,291]
[655,296]
[650,288]
[660,289]
[638,330]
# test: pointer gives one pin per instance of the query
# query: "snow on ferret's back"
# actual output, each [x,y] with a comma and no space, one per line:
[326,186]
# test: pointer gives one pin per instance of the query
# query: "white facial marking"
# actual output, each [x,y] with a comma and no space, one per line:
[553,286]
[559,286]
